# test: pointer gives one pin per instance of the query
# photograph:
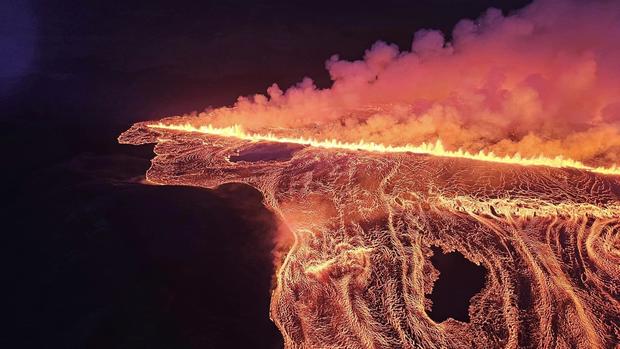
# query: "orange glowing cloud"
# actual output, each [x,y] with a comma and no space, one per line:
[542,81]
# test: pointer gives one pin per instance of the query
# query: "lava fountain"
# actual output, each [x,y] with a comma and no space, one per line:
[511,163]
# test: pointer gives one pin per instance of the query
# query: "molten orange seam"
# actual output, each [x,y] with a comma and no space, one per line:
[435,149]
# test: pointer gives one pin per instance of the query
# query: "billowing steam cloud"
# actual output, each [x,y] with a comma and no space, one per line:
[545,80]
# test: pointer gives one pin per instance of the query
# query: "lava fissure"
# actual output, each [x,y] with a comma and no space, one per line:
[436,148]
[359,271]
[502,144]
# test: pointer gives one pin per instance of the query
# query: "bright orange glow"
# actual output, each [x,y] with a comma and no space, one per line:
[359,225]
[362,208]
[435,149]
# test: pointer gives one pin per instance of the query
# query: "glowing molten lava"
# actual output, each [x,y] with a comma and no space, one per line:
[545,224]
[436,148]
[358,270]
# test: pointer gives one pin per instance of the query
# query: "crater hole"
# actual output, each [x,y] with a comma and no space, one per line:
[459,280]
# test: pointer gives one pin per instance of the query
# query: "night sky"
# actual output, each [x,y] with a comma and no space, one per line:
[94,258]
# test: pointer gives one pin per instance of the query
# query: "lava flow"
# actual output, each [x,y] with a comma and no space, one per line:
[358,272]
[436,148]
[524,183]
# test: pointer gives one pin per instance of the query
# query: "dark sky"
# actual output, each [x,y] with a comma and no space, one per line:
[178,56]
[94,258]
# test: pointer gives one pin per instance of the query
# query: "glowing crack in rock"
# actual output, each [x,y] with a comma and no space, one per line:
[358,272]
[525,182]
[436,148]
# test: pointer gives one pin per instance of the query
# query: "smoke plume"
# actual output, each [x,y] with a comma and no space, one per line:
[543,80]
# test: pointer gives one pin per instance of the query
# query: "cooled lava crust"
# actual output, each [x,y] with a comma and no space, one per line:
[357,272]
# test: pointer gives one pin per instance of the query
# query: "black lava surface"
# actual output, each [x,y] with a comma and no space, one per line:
[459,280]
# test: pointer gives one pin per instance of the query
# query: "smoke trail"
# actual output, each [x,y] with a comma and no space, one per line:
[544,80]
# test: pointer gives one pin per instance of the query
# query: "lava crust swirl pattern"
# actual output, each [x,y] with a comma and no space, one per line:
[358,271]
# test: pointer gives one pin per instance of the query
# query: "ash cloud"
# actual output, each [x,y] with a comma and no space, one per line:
[543,80]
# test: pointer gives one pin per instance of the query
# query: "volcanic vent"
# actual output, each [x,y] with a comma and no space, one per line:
[502,145]
[358,272]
